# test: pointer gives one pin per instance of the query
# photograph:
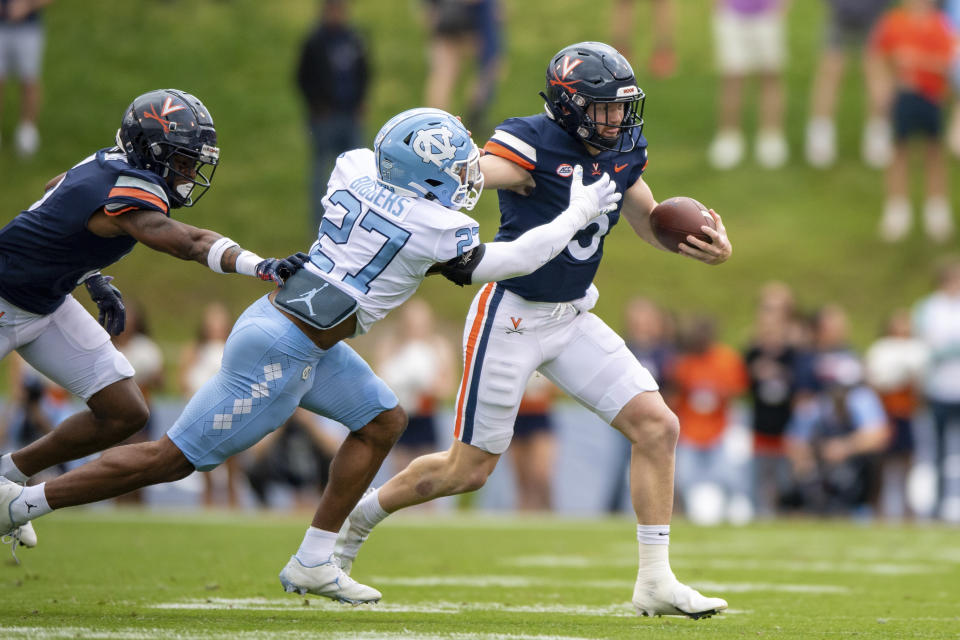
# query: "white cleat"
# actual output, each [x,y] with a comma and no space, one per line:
[673,598]
[10,533]
[350,539]
[327,580]
[27,536]
[9,491]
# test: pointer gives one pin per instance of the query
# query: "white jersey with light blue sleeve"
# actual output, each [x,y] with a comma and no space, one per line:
[376,244]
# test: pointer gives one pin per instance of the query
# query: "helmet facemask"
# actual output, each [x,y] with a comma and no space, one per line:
[188,173]
[468,175]
[578,118]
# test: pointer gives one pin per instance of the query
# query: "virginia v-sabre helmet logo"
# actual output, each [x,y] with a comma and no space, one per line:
[171,133]
[593,73]
[429,153]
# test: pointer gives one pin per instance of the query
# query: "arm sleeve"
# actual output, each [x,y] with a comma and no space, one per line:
[527,253]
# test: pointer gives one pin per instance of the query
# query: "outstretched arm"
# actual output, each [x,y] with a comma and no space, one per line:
[499,260]
[187,242]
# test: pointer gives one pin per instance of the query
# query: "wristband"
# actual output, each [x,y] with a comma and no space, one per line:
[215,254]
[247,263]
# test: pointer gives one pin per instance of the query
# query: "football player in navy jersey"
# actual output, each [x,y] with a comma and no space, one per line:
[88,218]
[542,321]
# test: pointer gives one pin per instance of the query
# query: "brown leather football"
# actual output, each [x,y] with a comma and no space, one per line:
[676,218]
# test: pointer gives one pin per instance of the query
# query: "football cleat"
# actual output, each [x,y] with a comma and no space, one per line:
[326,579]
[673,598]
[9,491]
[27,536]
[10,533]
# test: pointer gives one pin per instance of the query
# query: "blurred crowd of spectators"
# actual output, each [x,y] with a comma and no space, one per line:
[795,421]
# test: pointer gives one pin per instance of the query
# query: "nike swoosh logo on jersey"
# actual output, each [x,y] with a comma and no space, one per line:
[617,168]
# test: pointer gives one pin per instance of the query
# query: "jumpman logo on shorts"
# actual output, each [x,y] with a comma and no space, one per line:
[307,298]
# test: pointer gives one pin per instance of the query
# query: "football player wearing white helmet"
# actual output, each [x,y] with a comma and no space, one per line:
[89,218]
[542,321]
[391,219]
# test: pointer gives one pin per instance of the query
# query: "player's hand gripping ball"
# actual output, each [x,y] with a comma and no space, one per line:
[676,218]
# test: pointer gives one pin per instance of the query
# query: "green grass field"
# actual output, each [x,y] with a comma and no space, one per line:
[129,574]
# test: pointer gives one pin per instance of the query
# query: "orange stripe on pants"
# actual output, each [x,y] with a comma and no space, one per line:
[474,336]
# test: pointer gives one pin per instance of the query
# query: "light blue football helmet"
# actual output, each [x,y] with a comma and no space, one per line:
[429,153]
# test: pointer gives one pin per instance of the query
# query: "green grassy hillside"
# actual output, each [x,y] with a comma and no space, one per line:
[814,229]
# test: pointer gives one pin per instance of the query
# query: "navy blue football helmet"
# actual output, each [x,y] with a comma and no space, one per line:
[171,133]
[593,73]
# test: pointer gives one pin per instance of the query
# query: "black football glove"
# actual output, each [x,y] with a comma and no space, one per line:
[279,269]
[113,314]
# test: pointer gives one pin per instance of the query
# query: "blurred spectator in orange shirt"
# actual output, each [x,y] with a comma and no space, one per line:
[916,44]
[703,379]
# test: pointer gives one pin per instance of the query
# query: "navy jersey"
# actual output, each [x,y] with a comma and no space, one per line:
[549,153]
[47,249]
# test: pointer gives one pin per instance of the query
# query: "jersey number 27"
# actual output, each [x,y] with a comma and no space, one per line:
[372,222]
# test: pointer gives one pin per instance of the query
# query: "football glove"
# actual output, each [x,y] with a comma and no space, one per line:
[113,314]
[279,269]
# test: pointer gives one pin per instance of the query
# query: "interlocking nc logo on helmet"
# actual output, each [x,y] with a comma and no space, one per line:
[434,145]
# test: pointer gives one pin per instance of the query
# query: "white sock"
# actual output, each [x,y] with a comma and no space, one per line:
[369,513]
[10,471]
[654,552]
[31,504]
[653,533]
[317,547]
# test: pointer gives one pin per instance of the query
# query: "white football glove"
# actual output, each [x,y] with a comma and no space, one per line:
[593,200]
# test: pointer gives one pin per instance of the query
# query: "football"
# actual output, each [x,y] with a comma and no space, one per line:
[676,218]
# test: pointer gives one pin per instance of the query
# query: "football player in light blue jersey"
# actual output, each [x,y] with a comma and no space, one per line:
[392,217]
[542,322]
[88,218]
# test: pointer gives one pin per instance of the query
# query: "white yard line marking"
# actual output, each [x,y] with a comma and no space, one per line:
[583,562]
[528,582]
[441,607]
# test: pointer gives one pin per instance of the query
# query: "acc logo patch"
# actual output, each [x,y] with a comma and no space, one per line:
[565,170]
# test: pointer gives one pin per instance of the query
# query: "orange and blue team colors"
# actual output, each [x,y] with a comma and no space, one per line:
[480,328]
[549,153]
[47,249]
